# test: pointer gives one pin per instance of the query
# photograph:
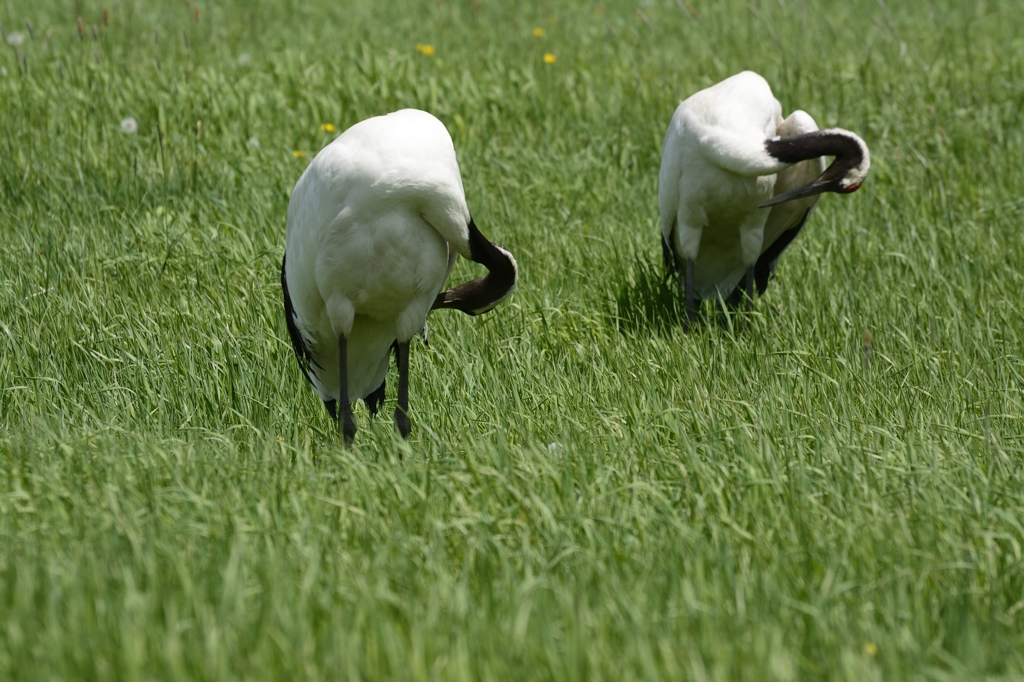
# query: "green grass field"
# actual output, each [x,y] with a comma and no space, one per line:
[589,493]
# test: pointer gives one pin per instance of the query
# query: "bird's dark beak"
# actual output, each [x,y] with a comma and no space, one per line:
[808,190]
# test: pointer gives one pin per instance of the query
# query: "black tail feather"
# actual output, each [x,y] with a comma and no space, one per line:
[375,399]
[765,266]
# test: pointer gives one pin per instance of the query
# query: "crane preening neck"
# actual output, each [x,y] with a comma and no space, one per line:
[845,175]
[483,293]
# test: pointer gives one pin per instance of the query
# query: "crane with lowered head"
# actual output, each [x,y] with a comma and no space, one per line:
[375,224]
[738,183]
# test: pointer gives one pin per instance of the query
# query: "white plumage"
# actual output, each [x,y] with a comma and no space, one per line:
[375,224]
[726,154]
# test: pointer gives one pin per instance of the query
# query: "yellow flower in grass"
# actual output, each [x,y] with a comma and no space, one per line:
[328,127]
[538,32]
[871,648]
[549,58]
[425,49]
[298,153]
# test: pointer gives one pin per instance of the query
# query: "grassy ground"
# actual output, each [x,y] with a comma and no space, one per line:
[589,493]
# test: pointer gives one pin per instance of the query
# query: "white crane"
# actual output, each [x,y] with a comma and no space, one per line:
[728,155]
[375,225]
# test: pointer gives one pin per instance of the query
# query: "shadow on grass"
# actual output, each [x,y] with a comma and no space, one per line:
[646,299]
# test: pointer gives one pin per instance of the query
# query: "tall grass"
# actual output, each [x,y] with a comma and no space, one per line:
[589,493]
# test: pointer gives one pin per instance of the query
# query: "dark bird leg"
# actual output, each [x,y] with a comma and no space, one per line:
[402,411]
[346,420]
[691,295]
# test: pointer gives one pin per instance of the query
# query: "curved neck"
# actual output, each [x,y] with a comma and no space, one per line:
[480,295]
[849,150]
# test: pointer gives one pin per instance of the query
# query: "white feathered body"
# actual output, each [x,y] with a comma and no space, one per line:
[715,170]
[374,226]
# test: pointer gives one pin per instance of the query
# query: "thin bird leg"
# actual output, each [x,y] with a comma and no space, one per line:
[691,295]
[748,305]
[402,411]
[346,420]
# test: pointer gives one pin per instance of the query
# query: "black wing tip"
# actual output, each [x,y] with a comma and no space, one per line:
[302,354]
[668,257]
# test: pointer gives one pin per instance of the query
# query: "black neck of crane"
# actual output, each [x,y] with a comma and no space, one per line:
[847,151]
[481,294]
